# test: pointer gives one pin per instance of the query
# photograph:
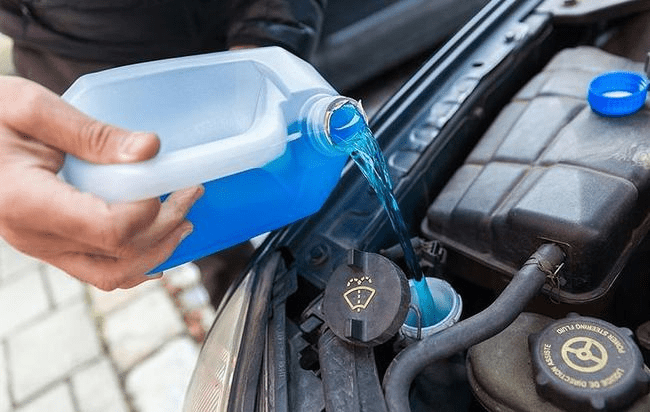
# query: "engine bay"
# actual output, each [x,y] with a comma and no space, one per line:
[543,168]
[533,208]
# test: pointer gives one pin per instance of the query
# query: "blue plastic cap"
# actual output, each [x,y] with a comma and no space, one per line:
[345,122]
[615,94]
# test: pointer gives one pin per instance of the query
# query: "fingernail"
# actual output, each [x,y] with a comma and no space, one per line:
[199,192]
[137,146]
[188,230]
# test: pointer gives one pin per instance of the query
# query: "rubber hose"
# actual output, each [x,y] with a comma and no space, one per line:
[525,284]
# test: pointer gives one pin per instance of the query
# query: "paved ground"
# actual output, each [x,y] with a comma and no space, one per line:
[69,347]
[6,65]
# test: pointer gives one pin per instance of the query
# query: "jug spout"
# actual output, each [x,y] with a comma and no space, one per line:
[330,120]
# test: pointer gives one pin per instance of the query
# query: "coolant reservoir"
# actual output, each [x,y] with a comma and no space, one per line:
[251,125]
[549,168]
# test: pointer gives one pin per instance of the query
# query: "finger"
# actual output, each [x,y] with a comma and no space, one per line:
[39,113]
[154,256]
[172,213]
[43,245]
[52,206]
[107,273]
[135,281]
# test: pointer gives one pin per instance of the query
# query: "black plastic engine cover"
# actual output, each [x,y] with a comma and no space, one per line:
[549,169]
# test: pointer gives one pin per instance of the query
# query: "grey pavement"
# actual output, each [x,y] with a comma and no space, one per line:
[68,347]
[6,64]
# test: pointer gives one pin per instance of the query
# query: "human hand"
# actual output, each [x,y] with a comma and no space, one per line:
[108,245]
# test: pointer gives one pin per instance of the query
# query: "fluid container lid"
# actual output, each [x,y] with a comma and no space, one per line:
[587,364]
[617,93]
[366,299]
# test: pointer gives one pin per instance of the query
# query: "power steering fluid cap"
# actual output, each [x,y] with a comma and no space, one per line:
[587,364]
[366,299]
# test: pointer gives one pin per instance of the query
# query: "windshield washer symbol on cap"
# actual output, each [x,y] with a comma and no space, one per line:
[359,293]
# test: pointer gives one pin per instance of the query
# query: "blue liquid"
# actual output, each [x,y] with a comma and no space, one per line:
[366,153]
[238,207]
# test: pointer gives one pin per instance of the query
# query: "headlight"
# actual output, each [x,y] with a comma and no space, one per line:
[232,347]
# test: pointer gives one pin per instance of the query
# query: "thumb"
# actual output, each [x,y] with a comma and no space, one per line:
[44,116]
[98,142]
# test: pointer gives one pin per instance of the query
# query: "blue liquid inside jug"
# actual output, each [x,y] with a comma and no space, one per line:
[241,206]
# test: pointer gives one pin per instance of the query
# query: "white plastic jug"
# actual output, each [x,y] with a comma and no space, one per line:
[252,125]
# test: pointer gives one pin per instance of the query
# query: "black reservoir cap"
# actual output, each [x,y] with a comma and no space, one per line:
[366,299]
[587,364]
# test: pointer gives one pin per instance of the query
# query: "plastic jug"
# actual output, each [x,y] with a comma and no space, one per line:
[252,125]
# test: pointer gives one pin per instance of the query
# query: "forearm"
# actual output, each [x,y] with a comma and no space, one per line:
[292,24]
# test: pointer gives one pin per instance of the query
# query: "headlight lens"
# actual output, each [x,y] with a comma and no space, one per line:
[213,376]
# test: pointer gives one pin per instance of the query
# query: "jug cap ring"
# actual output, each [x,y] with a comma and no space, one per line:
[337,103]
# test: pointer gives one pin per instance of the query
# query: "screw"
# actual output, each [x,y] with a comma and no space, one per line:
[318,255]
